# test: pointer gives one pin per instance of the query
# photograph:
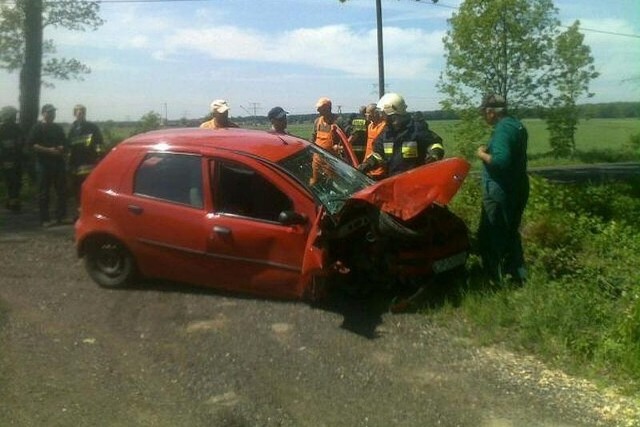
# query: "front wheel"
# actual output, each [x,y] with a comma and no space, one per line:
[109,263]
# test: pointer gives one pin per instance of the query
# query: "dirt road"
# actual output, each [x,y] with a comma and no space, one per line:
[73,354]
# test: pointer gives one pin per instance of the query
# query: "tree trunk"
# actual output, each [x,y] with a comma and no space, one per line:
[30,75]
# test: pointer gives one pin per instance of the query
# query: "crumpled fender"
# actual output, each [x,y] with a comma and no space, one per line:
[408,194]
[313,262]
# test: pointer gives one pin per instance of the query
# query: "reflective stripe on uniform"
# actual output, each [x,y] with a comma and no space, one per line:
[82,140]
[359,125]
[388,148]
[84,169]
[409,149]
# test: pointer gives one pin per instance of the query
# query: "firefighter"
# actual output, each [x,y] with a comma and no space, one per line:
[374,129]
[357,132]
[325,135]
[505,186]
[86,147]
[11,156]
[49,144]
[324,126]
[403,144]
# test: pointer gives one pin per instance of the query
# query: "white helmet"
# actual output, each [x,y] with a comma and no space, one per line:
[392,103]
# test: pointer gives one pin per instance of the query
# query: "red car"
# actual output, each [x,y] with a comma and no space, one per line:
[237,209]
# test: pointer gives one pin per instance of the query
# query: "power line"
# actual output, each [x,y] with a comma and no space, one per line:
[589,30]
[612,33]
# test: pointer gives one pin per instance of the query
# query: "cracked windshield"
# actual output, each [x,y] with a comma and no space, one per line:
[330,180]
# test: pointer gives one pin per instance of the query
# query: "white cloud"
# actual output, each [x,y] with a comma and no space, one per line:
[334,47]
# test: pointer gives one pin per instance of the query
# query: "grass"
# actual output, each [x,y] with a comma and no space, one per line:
[580,309]
[597,140]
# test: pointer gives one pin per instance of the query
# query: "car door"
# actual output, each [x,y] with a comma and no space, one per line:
[164,214]
[263,256]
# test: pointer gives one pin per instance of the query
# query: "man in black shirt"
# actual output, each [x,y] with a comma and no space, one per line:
[49,144]
[85,149]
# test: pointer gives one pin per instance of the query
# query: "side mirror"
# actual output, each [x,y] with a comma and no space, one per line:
[291,218]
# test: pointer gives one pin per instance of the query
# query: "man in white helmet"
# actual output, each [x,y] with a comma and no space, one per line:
[404,144]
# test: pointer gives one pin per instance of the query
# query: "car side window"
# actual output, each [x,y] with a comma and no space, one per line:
[173,177]
[239,190]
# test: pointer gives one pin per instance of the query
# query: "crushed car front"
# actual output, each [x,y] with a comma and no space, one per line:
[398,230]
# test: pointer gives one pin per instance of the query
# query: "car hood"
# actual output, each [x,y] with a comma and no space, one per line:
[408,194]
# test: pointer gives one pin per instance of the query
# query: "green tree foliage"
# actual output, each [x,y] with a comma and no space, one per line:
[76,15]
[150,121]
[500,46]
[571,76]
[22,47]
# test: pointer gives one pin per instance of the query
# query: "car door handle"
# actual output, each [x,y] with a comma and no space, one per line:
[135,209]
[224,231]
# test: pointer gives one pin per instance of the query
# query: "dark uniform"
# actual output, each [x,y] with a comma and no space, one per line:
[85,150]
[11,158]
[505,186]
[407,148]
[50,168]
[357,133]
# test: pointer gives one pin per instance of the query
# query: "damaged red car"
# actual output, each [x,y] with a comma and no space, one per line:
[265,214]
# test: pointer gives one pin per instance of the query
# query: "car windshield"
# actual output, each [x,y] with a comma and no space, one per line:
[330,179]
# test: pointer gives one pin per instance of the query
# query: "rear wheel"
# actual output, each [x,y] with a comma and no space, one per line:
[109,263]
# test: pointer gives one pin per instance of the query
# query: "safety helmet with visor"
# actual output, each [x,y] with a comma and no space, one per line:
[392,103]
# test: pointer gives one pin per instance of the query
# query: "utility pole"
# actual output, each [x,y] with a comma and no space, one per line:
[254,106]
[380,50]
[381,86]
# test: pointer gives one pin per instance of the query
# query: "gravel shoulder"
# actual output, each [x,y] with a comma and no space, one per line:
[164,354]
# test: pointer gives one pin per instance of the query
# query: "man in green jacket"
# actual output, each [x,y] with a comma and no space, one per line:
[505,187]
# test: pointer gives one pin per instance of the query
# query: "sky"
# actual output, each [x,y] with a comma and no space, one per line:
[175,57]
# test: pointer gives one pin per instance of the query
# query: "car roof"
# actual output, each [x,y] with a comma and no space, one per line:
[268,145]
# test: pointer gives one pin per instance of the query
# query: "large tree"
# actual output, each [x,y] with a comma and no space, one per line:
[571,77]
[500,46]
[23,49]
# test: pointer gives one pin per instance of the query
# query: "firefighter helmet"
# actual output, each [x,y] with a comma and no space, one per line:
[392,103]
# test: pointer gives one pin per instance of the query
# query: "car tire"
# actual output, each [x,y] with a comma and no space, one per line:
[109,263]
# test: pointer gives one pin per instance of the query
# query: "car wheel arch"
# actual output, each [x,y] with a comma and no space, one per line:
[108,260]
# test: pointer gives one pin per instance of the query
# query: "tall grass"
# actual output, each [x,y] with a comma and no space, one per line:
[580,308]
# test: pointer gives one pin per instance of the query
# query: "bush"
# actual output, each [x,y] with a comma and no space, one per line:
[581,305]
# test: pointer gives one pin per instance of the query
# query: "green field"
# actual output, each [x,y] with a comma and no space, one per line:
[604,139]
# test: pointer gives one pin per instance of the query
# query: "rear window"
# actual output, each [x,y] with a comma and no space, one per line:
[172,177]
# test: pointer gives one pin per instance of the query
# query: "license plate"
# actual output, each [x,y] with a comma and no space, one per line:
[450,263]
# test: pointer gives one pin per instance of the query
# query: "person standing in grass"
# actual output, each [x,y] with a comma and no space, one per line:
[505,189]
